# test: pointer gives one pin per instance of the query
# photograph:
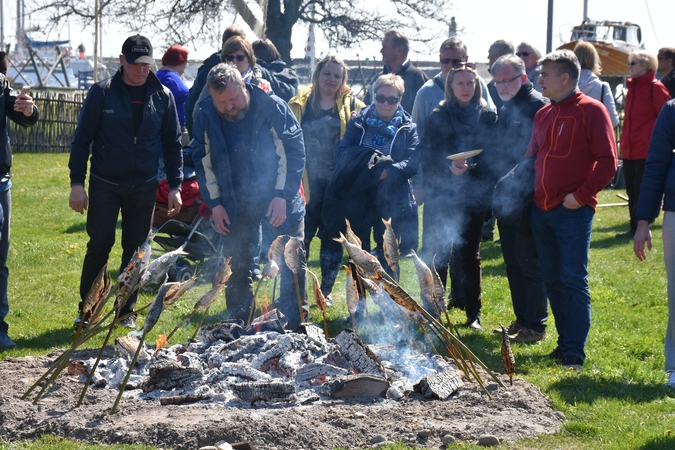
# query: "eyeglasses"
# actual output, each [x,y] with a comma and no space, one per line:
[523,54]
[239,58]
[451,60]
[504,82]
[394,99]
[463,65]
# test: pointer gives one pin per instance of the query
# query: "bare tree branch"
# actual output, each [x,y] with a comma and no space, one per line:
[344,23]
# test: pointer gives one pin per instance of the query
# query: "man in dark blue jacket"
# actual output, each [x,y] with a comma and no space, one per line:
[249,156]
[127,121]
[20,109]
[658,188]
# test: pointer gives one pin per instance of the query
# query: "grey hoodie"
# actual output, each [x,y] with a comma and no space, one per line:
[592,86]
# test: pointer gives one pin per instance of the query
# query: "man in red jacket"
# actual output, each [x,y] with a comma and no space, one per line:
[573,143]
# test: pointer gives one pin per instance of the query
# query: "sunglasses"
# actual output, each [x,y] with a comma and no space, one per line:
[463,65]
[633,63]
[451,60]
[523,54]
[394,99]
[239,58]
[504,82]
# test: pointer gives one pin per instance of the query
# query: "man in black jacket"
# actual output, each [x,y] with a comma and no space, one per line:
[528,292]
[127,121]
[394,51]
[19,109]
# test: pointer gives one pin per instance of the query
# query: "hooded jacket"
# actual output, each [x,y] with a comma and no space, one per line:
[592,86]
[283,79]
[277,146]
[573,143]
[298,105]
[646,96]
[119,155]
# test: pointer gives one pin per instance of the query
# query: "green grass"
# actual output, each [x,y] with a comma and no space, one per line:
[617,402]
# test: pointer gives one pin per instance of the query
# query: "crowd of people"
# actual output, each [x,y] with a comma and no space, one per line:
[531,148]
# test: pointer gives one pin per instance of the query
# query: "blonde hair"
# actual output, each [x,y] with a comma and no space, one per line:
[315,98]
[645,58]
[588,57]
[389,79]
[450,95]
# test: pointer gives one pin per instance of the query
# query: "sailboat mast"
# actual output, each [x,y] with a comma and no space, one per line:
[585,10]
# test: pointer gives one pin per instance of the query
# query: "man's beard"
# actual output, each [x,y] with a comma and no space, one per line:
[238,115]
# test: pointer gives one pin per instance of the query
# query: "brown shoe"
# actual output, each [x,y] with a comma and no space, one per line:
[526,335]
[511,329]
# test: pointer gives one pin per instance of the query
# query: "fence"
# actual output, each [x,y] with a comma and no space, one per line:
[59,112]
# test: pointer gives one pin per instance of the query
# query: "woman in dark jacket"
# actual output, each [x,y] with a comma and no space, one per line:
[457,193]
[384,126]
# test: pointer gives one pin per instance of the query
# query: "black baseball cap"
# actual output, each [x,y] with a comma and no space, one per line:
[138,49]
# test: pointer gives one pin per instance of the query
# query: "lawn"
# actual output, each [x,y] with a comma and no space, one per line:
[617,402]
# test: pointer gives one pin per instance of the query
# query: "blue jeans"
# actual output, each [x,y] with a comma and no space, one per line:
[6,203]
[562,238]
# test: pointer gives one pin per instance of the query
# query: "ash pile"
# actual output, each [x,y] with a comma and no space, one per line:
[239,366]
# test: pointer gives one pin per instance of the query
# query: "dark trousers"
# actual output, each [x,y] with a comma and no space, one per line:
[468,249]
[239,292]
[6,203]
[106,201]
[330,253]
[528,291]
[452,240]
[633,170]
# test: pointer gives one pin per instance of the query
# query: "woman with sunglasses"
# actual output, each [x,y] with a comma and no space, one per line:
[238,51]
[386,128]
[646,96]
[458,191]
[323,110]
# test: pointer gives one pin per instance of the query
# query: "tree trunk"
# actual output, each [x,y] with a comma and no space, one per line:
[279,28]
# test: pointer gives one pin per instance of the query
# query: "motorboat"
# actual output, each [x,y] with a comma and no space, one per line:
[614,42]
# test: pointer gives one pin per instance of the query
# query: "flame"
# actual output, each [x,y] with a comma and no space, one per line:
[160,342]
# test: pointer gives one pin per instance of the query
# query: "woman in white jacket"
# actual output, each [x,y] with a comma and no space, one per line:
[590,84]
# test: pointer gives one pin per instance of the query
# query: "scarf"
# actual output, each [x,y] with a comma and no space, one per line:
[382,130]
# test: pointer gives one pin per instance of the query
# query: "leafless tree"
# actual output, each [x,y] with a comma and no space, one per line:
[343,22]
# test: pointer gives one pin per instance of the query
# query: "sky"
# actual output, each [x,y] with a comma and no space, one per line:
[492,20]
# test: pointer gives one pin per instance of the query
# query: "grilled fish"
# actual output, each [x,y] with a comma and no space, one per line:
[390,247]
[361,258]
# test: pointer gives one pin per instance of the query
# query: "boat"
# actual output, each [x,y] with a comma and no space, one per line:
[614,41]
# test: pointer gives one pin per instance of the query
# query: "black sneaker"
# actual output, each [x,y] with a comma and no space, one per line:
[129,322]
[5,342]
[556,355]
[572,362]
[79,321]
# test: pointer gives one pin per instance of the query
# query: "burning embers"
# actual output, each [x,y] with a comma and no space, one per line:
[236,365]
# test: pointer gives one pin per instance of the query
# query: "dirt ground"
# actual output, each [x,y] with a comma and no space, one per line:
[519,411]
